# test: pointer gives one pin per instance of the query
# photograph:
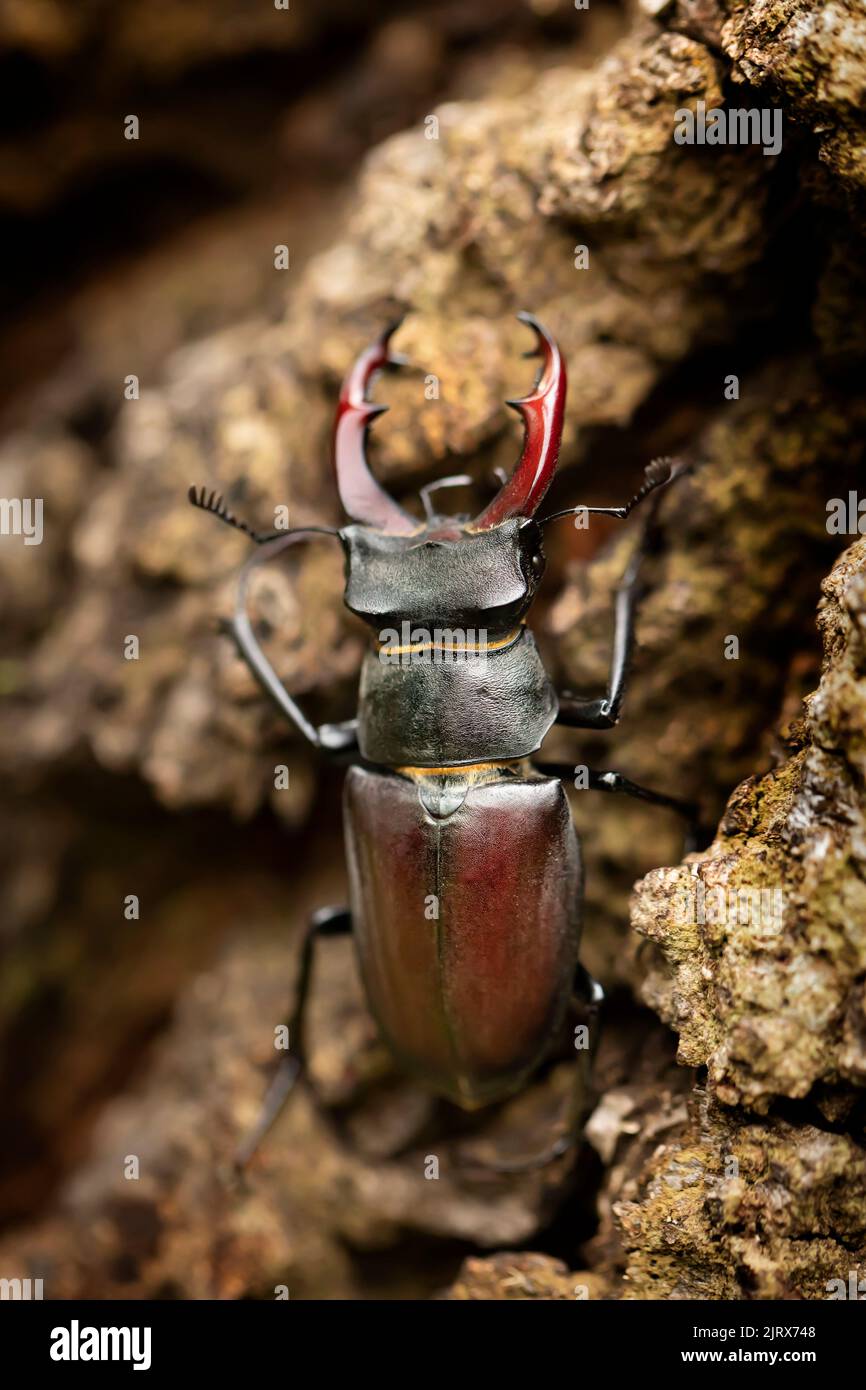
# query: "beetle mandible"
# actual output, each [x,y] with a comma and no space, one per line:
[443,801]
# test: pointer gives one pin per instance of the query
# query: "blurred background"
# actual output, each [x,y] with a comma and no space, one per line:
[155,258]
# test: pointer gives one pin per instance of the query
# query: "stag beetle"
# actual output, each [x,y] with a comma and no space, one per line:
[442,800]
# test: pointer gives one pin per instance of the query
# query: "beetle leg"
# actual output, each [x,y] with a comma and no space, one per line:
[587,1002]
[616,784]
[578,711]
[328,921]
[327,738]
[456,480]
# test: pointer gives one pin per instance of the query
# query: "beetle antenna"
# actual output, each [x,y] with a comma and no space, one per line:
[215,504]
[656,474]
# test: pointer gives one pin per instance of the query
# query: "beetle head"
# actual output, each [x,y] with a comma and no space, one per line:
[444,575]
[455,570]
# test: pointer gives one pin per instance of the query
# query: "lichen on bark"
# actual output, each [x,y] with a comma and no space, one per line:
[761,953]
[758,963]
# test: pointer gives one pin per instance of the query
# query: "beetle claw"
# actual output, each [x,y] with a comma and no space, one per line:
[542,412]
[361,495]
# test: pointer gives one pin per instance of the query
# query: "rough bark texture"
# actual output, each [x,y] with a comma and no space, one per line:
[734,1171]
[766,992]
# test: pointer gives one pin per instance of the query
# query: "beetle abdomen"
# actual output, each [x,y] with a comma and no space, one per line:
[465,897]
